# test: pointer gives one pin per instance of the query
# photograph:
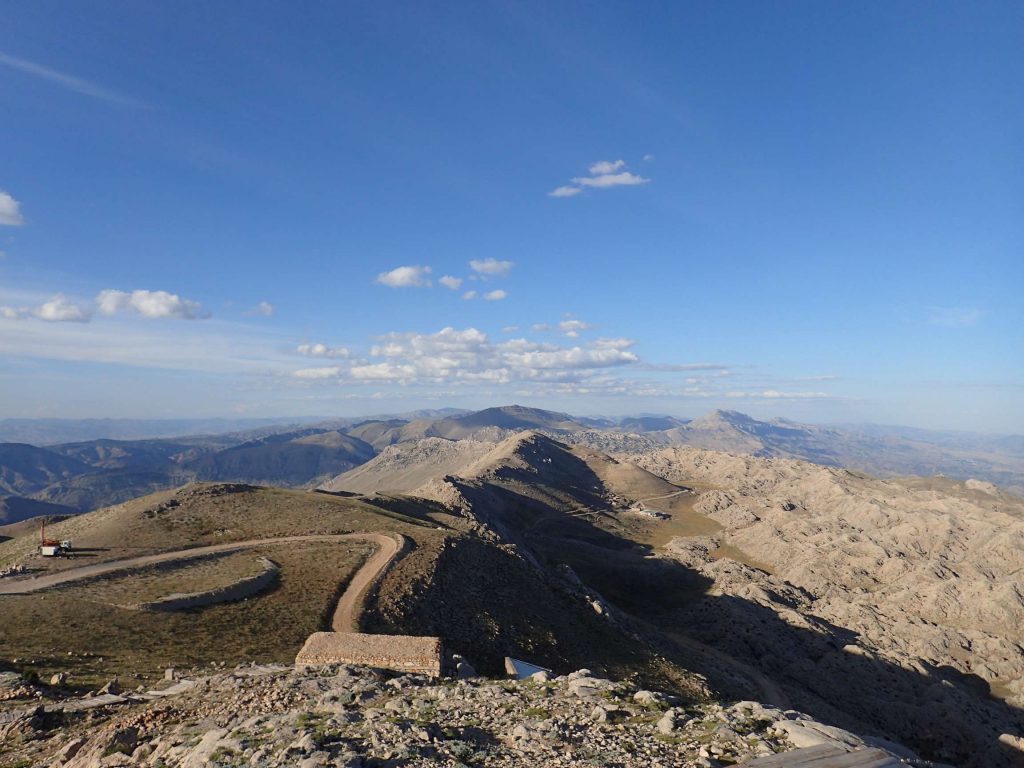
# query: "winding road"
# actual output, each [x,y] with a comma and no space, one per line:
[346,615]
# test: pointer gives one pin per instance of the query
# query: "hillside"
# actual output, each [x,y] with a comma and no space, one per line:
[886,452]
[303,459]
[26,469]
[405,467]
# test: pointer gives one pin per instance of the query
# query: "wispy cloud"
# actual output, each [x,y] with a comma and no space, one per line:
[10,211]
[66,81]
[495,295]
[565,192]
[405,277]
[954,317]
[603,175]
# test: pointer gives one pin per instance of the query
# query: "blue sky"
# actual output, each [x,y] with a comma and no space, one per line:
[813,210]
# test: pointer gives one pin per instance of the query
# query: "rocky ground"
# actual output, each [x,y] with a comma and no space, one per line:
[354,716]
[891,604]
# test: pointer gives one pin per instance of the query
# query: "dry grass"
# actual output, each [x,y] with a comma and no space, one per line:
[106,640]
[42,629]
[179,577]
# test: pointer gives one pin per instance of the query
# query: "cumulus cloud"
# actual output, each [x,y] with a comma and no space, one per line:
[491,267]
[602,167]
[469,295]
[495,295]
[405,277]
[321,350]
[152,304]
[603,174]
[462,356]
[450,282]
[60,309]
[10,211]
[611,180]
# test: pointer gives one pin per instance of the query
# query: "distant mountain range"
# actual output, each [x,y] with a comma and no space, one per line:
[87,474]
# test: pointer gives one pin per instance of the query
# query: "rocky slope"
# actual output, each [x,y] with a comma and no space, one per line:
[356,717]
[887,601]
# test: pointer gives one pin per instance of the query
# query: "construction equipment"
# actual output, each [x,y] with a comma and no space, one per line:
[52,547]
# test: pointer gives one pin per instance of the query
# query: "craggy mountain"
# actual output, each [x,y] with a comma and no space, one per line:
[93,473]
[886,452]
[887,607]
[488,424]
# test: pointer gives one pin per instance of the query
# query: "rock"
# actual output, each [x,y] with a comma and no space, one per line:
[69,750]
[123,740]
[464,670]
[59,679]
[649,698]
[112,686]
[1010,740]
[667,723]
[604,713]
[540,677]
[170,674]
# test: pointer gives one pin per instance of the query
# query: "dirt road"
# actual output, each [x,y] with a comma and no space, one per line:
[346,615]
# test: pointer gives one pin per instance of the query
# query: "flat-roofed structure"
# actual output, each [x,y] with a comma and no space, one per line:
[401,653]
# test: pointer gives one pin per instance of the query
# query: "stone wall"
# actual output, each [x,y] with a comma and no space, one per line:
[401,653]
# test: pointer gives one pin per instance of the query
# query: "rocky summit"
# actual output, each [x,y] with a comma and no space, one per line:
[356,717]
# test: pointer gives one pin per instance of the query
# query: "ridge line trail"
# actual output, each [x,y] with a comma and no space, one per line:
[345,617]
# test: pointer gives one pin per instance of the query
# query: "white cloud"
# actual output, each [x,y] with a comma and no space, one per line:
[264,308]
[405,277]
[510,329]
[469,295]
[495,295]
[602,167]
[60,310]
[611,180]
[603,174]
[10,313]
[152,304]
[540,327]
[564,192]
[451,282]
[648,158]
[321,350]
[572,328]
[318,373]
[491,266]
[453,355]
[10,211]
[383,372]
[954,317]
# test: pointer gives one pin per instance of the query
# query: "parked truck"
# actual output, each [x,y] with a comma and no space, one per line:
[52,547]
